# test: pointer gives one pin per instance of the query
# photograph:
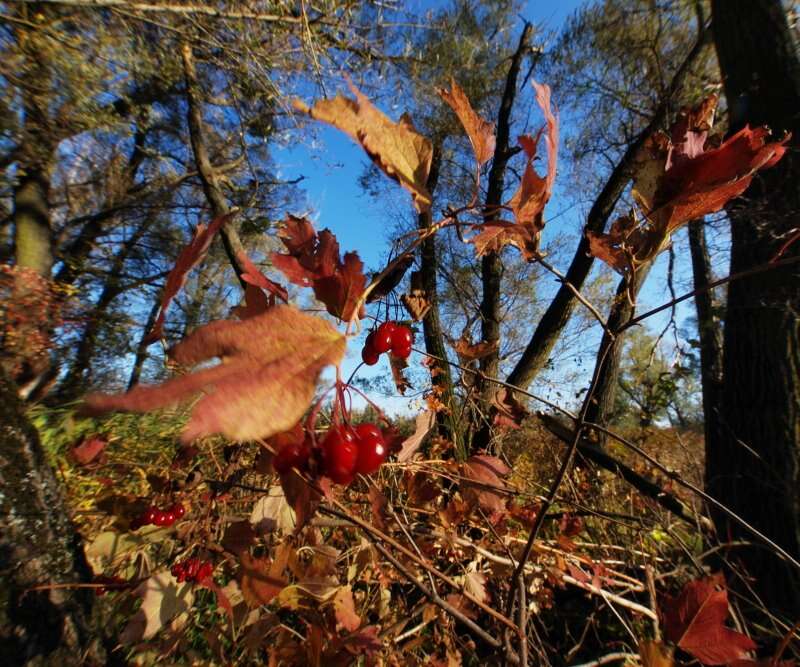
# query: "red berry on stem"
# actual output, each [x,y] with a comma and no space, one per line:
[294,455]
[382,342]
[369,356]
[371,449]
[170,518]
[150,515]
[402,352]
[178,510]
[339,453]
[160,518]
[402,338]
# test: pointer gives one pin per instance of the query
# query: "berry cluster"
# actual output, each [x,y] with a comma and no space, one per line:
[388,337]
[192,570]
[159,517]
[347,451]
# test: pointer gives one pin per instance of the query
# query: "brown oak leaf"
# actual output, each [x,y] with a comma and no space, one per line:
[264,384]
[396,148]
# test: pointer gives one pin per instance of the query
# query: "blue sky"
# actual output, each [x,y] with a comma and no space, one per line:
[331,164]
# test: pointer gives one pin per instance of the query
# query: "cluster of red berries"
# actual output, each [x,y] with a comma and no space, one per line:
[153,516]
[347,451]
[388,337]
[192,570]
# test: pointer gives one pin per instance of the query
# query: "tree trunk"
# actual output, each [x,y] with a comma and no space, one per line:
[141,349]
[209,178]
[38,547]
[491,264]
[709,330]
[431,325]
[757,472]
[609,353]
[555,318]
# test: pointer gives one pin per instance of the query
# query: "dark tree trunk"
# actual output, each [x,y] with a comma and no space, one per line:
[609,353]
[141,350]
[491,263]
[709,330]
[209,178]
[431,325]
[38,547]
[555,318]
[757,472]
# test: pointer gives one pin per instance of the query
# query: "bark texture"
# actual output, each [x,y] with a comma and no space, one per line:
[38,547]
[757,472]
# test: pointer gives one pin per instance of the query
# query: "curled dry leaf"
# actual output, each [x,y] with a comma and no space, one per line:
[422,425]
[272,512]
[487,473]
[163,598]
[188,258]
[312,260]
[695,622]
[88,450]
[680,178]
[528,202]
[261,579]
[468,351]
[510,413]
[479,131]
[264,384]
[345,610]
[253,276]
[392,279]
[398,365]
[396,148]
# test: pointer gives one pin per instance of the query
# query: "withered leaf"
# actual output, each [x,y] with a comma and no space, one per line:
[391,279]
[487,473]
[191,255]
[469,351]
[88,450]
[510,413]
[398,365]
[397,148]
[163,598]
[422,425]
[239,537]
[341,290]
[479,131]
[680,178]
[264,384]
[253,276]
[345,610]
[258,580]
[695,622]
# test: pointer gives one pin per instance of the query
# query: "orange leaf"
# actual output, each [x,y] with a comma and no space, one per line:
[479,131]
[263,386]
[345,610]
[397,148]
[259,583]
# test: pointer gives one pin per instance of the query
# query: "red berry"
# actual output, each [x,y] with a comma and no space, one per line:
[178,510]
[371,448]
[205,571]
[160,518]
[170,518]
[383,337]
[369,356]
[339,453]
[402,338]
[293,455]
[150,515]
[402,352]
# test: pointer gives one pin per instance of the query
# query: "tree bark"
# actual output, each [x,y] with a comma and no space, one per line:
[209,178]
[757,472]
[141,349]
[609,353]
[555,318]
[709,331]
[38,547]
[442,378]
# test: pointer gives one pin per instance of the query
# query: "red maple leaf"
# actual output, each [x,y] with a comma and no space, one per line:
[695,622]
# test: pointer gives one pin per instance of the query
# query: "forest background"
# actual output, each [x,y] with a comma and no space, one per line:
[126,125]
